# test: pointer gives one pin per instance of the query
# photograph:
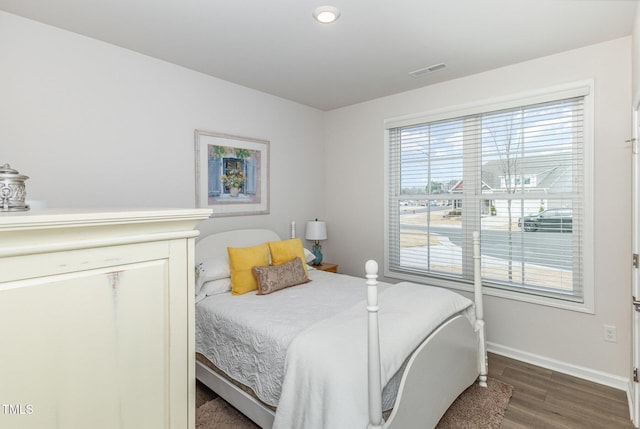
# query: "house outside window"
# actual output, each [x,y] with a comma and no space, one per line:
[528,181]
[518,171]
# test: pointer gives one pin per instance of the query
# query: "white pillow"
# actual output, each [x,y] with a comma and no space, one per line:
[309,256]
[214,287]
[211,269]
[214,269]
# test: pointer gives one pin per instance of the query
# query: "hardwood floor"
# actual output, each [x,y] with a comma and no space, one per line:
[547,399]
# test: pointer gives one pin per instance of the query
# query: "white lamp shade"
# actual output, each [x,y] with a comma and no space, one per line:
[316,230]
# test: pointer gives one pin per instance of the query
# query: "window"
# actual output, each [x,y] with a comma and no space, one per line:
[519,173]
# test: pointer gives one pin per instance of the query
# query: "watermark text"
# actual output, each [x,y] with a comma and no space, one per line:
[17,409]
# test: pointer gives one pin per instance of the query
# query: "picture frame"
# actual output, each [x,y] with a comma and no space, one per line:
[232,174]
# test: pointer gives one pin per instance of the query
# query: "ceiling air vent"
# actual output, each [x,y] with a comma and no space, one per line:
[429,69]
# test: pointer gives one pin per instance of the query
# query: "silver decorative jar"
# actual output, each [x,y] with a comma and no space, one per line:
[12,189]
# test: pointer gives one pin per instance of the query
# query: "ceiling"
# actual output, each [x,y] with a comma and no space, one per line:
[277,47]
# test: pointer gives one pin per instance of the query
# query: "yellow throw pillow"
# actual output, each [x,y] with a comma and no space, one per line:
[285,250]
[241,261]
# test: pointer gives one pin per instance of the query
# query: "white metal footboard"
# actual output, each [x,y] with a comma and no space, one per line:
[477,294]
[440,369]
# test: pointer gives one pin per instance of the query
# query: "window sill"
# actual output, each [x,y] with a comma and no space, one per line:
[497,292]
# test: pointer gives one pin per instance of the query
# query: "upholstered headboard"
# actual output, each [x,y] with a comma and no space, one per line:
[215,245]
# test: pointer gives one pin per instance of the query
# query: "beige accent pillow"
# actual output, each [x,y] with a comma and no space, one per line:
[276,277]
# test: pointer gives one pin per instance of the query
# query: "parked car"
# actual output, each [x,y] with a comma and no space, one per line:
[548,220]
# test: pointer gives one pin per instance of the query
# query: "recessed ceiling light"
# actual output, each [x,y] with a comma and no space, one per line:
[429,69]
[326,14]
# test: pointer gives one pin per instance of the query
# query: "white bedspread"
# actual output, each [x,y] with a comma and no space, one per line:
[325,383]
[247,337]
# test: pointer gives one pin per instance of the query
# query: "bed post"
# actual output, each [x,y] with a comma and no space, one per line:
[479,327]
[375,382]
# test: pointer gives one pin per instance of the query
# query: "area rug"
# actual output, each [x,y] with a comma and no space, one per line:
[475,408]
[478,408]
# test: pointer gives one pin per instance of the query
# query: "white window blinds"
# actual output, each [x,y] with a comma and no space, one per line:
[515,174]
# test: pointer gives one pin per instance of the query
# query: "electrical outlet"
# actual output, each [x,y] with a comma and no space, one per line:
[610,333]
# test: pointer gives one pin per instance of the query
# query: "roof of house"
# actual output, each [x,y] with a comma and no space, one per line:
[552,172]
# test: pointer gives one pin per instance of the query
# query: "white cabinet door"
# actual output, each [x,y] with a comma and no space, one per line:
[87,349]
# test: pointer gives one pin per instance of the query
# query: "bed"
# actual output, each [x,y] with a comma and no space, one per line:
[278,358]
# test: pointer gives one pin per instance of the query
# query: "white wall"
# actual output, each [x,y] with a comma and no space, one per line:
[355,183]
[95,125]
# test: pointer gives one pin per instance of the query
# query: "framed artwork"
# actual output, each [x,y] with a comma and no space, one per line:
[232,174]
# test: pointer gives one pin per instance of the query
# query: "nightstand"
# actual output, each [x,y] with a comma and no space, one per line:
[325,266]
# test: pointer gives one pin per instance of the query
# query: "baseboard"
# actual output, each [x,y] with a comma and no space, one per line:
[615,381]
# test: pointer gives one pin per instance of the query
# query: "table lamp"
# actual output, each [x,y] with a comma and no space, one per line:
[316,231]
